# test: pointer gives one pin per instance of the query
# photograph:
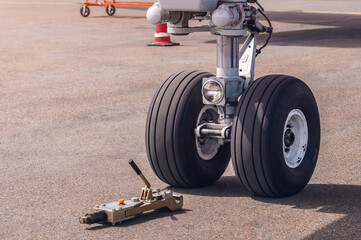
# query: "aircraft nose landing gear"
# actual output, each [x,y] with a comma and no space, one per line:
[196,121]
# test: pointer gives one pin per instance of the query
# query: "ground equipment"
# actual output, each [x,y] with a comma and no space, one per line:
[197,121]
[161,36]
[122,210]
[110,6]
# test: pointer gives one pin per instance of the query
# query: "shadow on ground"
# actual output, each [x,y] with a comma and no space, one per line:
[338,30]
[329,198]
[326,198]
[227,186]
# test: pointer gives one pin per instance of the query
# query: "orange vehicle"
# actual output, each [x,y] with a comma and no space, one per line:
[110,6]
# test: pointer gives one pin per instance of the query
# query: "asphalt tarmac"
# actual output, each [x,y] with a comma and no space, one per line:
[74,95]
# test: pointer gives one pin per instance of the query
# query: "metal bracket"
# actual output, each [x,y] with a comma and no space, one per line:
[247,59]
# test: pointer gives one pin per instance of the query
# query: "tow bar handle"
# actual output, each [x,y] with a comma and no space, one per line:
[139,173]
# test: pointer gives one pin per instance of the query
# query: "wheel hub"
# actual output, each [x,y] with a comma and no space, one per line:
[289,138]
[295,138]
[207,147]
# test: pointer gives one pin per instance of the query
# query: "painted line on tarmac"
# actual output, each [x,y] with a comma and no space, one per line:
[331,12]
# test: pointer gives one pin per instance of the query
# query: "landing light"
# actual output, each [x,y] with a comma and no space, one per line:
[212,91]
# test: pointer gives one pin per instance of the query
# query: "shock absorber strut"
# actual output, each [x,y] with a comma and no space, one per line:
[229,21]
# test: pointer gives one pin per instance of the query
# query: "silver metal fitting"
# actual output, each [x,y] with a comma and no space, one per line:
[214,91]
[226,15]
[214,130]
[156,15]
[228,20]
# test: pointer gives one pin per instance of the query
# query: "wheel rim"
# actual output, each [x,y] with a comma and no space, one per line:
[295,138]
[110,9]
[85,10]
[207,148]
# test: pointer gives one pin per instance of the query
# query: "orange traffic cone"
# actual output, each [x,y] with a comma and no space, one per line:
[161,36]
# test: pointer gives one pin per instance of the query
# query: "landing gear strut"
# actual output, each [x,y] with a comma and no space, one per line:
[270,126]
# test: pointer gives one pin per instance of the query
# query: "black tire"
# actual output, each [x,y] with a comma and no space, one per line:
[170,138]
[258,136]
[110,10]
[84,11]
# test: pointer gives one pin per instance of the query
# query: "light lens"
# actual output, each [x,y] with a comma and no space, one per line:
[213,91]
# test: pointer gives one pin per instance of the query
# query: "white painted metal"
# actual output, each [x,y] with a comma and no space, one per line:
[189,5]
[247,60]
[155,14]
[225,16]
[295,124]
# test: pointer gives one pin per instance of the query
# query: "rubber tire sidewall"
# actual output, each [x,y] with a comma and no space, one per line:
[110,13]
[205,171]
[291,180]
[257,136]
[88,11]
[170,137]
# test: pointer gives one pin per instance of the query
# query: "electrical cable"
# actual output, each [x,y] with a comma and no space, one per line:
[259,5]
[269,30]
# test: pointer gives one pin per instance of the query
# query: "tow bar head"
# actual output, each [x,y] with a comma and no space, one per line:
[125,209]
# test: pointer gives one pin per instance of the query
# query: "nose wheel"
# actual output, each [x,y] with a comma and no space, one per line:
[177,156]
[274,143]
[275,136]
